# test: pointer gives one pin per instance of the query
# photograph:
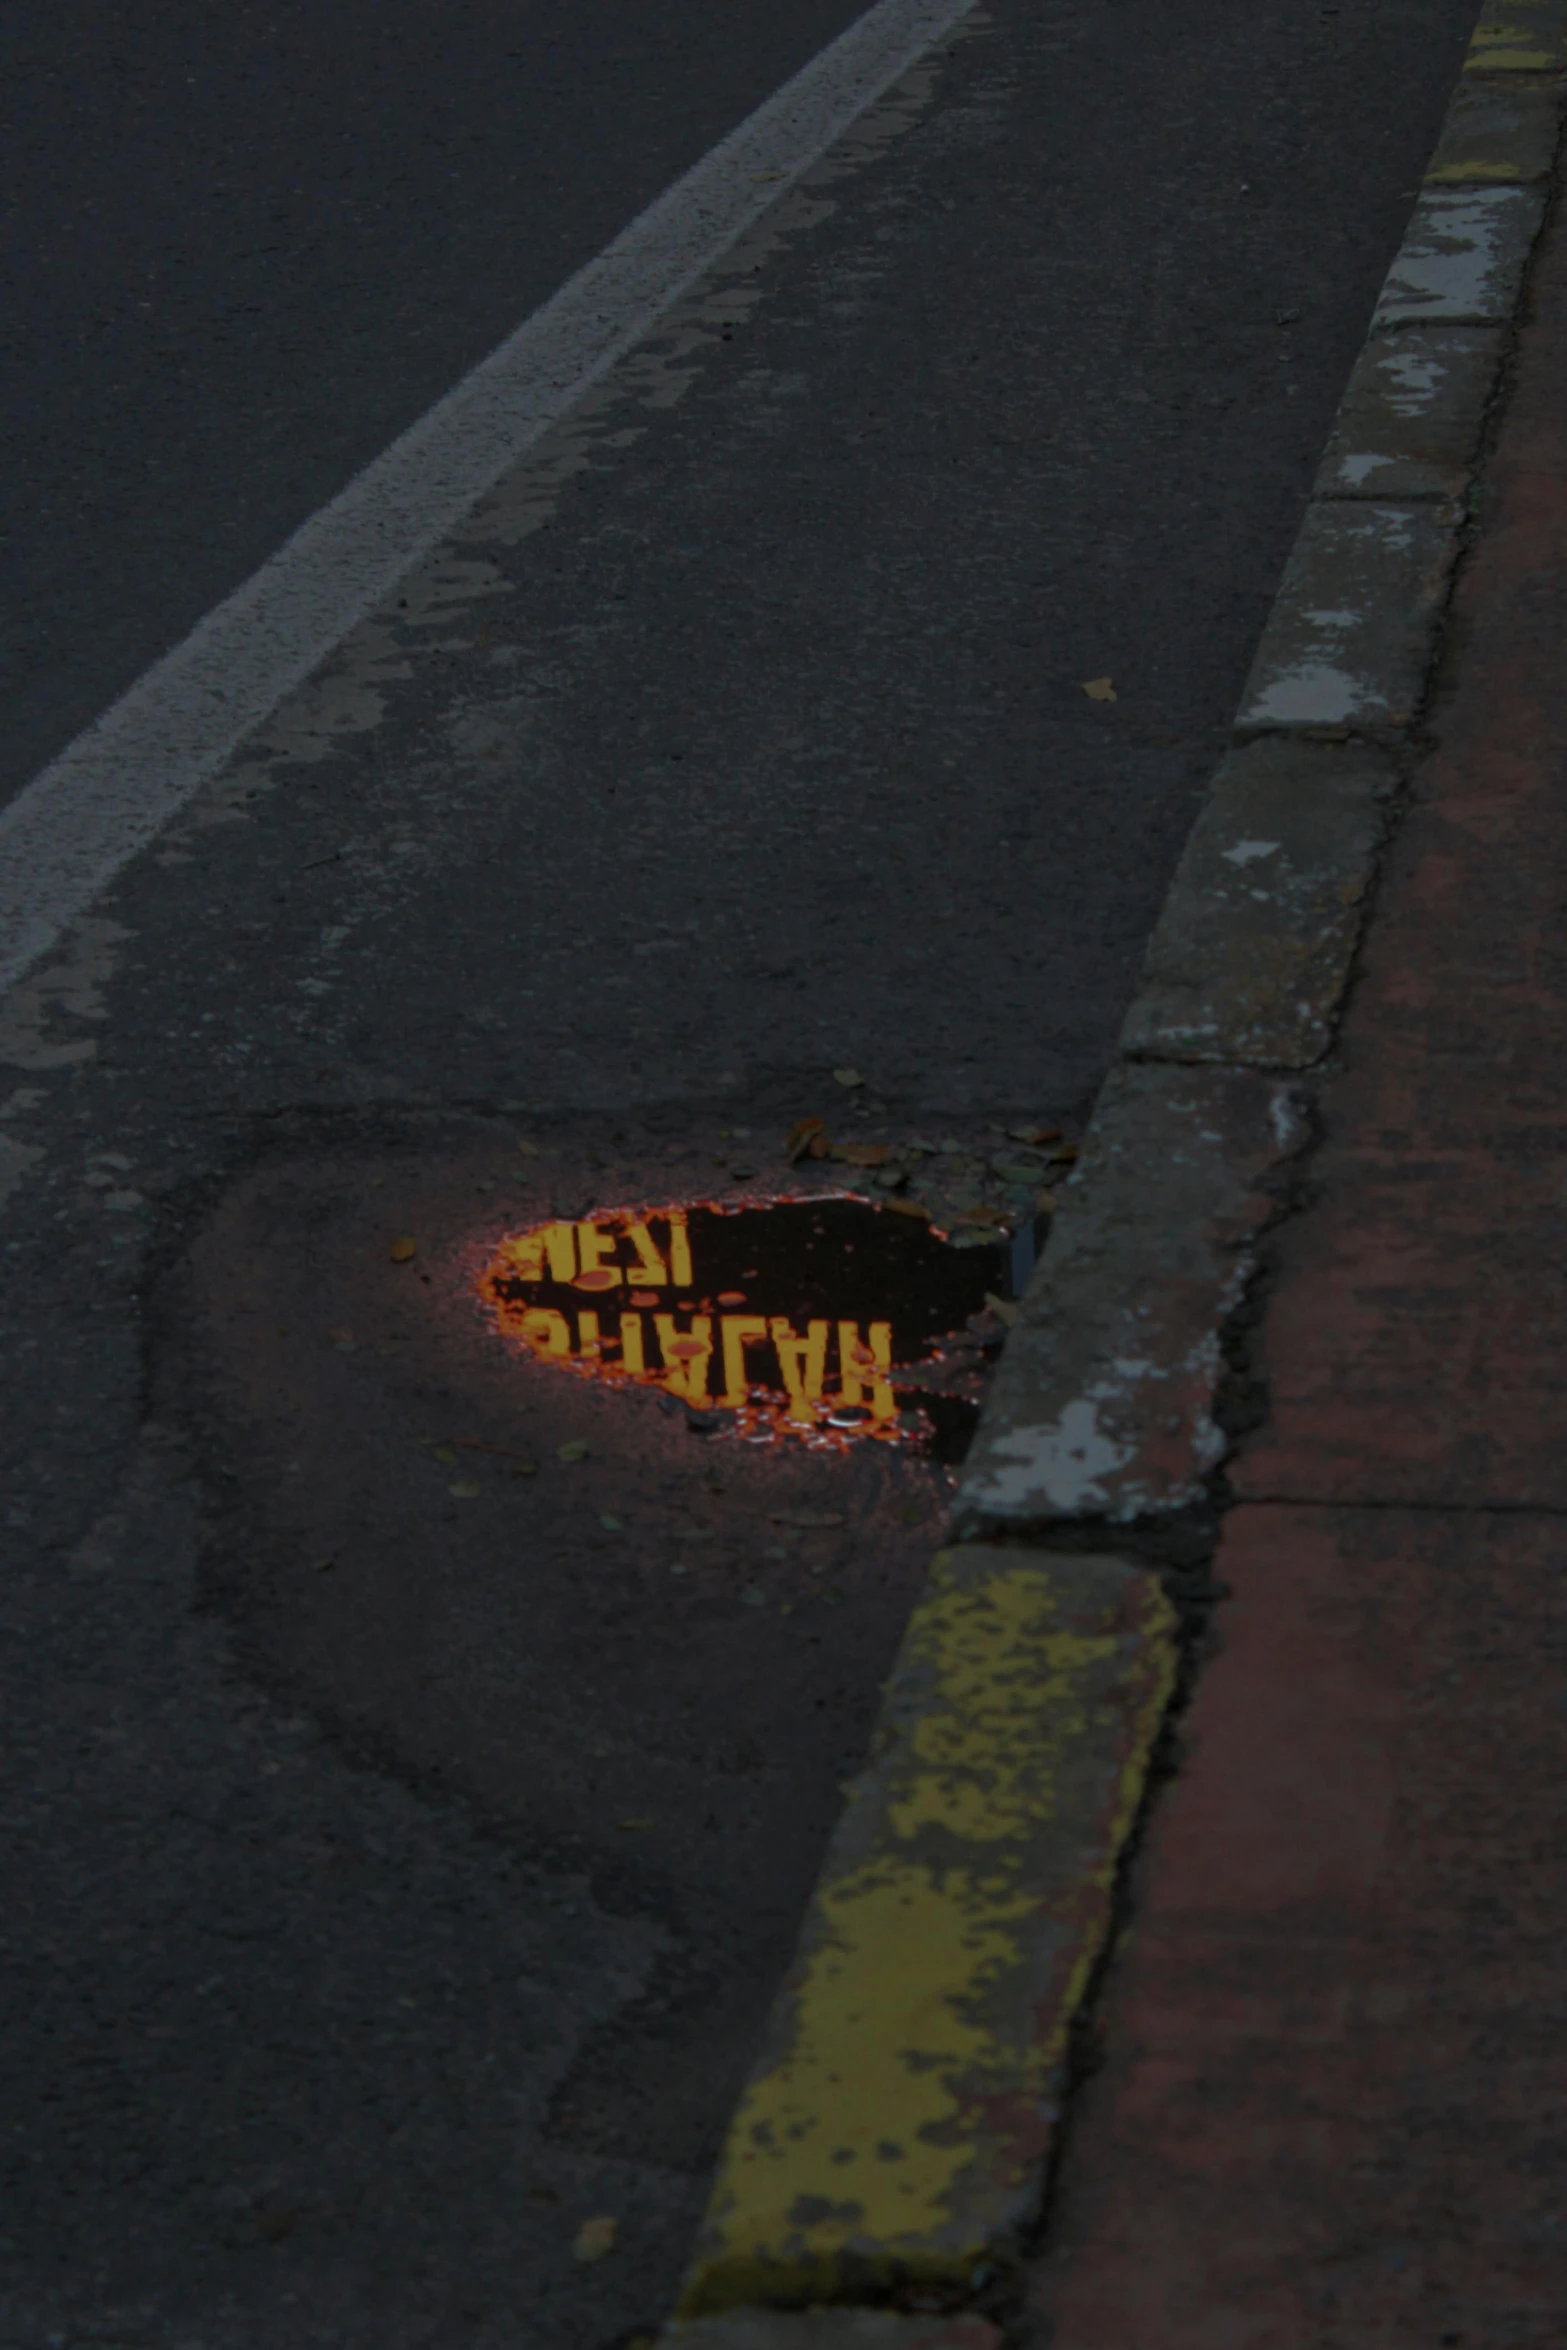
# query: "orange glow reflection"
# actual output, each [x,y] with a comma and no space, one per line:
[620,1298]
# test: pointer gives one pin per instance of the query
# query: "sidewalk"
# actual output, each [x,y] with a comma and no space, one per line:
[1333,2107]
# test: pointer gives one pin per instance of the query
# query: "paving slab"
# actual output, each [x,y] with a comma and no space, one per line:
[1252,951]
[1393,1371]
[1462,259]
[1410,421]
[1351,634]
[1335,2047]
[897,2130]
[1498,131]
[1104,1403]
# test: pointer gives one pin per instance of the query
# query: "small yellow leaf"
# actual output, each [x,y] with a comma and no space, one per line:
[1099,689]
[848,1077]
[595,2237]
[403,1249]
[571,1452]
[464,1490]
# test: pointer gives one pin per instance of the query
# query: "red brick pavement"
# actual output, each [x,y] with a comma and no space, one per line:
[1334,2108]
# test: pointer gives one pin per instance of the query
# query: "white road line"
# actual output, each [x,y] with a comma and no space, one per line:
[66,835]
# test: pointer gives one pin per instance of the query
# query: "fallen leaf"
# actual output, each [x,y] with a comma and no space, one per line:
[575,1451]
[464,1490]
[797,1140]
[595,2237]
[818,1147]
[1034,1134]
[639,1820]
[1001,1307]
[525,1468]
[1099,689]
[402,1250]
[849,1077]
[611,1523]
[863,1154]
[529,1150]
[1067,1151]
[445,1455]
[909,1207]
[751,1597]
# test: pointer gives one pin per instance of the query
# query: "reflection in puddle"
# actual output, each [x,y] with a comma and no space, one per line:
[827,1319]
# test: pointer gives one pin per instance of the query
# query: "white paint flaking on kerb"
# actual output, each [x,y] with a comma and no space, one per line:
[1459,258]
[1414,378]
[1307,693]
[1059,1465]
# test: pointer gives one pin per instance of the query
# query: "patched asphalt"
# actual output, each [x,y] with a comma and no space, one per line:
[740,739]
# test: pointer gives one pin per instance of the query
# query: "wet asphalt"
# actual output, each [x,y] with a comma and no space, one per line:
[740,737]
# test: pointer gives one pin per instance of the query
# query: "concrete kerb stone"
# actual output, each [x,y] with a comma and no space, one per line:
[1103,1406]
[896,2132]
[1519,36]
[895,2139]
[1348,643]
[1501,131]
[1462,259]
[1410,422]
[1251,954]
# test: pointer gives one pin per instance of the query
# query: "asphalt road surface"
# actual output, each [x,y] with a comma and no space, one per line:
[418,1755]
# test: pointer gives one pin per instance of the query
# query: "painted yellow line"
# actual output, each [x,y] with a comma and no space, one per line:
[1519,36]
[899,2123]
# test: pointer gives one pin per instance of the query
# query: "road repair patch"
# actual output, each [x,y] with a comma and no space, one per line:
[560,1482]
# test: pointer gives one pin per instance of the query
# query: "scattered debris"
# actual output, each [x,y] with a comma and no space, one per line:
[403,1250]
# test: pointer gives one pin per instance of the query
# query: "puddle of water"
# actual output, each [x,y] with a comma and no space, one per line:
[825,1320]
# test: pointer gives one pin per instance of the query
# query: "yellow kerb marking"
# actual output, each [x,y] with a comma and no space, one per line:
[925,2021]
[1505,48]
[1452,172]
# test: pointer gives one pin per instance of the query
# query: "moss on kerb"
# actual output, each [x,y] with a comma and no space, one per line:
[898,2126]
